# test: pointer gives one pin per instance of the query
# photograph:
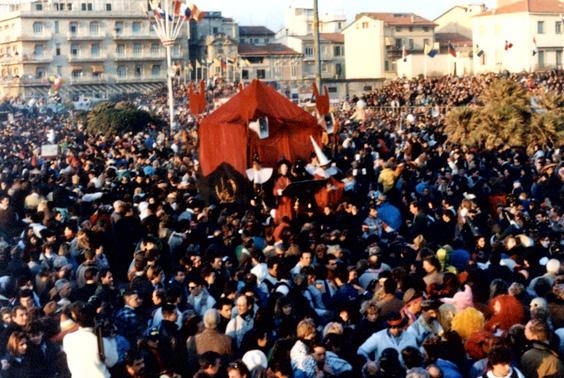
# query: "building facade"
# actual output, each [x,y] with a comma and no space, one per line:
[375,41]
[98,47]
[519,23]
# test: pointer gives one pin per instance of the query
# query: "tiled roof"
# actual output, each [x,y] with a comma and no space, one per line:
[255,30]
[399,19]
[455,38]
[531,6]
[246,49]
[329,37]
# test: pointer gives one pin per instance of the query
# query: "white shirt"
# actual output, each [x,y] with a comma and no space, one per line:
[83,360]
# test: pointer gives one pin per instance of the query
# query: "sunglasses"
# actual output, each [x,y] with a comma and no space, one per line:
[192,287]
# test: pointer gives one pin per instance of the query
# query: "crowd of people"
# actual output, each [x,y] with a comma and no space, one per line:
[437,260]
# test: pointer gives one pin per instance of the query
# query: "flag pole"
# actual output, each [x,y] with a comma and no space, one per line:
[424,65]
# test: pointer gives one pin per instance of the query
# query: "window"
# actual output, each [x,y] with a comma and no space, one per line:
[245,74]
[118,27]
[76,72]
[338,69]
[559,58]
[367,88]
[38,7]
[56,26]
[398,29]
[120,49]
[138,70]
[308,51]
[83,6]
[75,50]
[60,70]
[39,73]
[136,49]
[337,51]
[425,29]
[37,27]
[540,27]
[426,42]
[136,27]
[156,70]
[108,7]
[399,43]
[558,27]
[58,49]
[294,70]
[95,49]
[324,68]
[332,90]
[94,27]
[73,27]
[410,28]
[215,30]
[69,6]
[411,44]
[541,59]
[261,74]
[365,25]
[121,72]
[38,51]
[155,49]
[386,65]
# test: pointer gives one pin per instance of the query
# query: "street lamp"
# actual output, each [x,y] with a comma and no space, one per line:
[168,24]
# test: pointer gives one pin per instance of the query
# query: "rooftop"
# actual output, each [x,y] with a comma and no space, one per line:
[455,38]
[530,6]
[398,19]
[329,37]
[246,49]
[255,30]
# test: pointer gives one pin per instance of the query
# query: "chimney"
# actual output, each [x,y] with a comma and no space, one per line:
[412,18]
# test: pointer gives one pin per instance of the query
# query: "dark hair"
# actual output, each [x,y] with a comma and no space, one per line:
[133,355]
[499,354]
[168,309]
[82,314]
[390,286]
[412,357]
[208,359]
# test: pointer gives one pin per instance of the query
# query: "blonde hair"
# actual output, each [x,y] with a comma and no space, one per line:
[468,321]
[305,329]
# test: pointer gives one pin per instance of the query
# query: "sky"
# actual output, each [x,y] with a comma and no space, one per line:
[272,13]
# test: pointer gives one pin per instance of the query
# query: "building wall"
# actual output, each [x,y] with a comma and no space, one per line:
[97,46]
[441,64]
[364,49]
[491,32]
[299,21]
[458,19]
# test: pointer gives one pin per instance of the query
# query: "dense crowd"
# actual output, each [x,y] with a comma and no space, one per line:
[436,261]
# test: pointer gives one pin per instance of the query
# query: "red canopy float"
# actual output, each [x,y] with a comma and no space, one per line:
[225,135]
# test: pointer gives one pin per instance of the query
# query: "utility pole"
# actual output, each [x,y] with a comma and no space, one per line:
[316,49]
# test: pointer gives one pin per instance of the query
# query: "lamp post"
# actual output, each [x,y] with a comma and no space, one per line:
[168,24]
[316,48]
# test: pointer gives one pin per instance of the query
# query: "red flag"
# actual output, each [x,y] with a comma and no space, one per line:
[177,6]
[321,102]
[508,45]
[197,100]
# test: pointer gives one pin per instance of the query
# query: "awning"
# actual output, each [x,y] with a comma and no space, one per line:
[97,68]
[76,68]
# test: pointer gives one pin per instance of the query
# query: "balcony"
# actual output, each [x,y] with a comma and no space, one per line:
[87,58]
[88,80]
[85,37]
[140,57]
[45,36]
[38,59]
[135,36]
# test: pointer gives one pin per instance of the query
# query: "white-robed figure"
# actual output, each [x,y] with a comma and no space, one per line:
[258,176]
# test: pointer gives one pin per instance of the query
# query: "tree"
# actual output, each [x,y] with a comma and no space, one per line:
[460,125]
[547,124]
[504,117]
[108,119]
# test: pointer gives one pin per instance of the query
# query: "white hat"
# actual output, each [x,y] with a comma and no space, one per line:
[254,358]
[323,160]
[553,266]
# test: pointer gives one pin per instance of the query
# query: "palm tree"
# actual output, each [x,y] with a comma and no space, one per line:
[460,125]
[547,124]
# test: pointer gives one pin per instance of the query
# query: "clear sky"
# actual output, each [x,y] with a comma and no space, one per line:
[272,13]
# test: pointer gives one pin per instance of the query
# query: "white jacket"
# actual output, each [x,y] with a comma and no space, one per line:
[83,360]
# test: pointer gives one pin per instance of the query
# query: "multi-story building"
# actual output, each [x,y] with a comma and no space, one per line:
[458,19]
[272,62]
[299,21]
[519,23]
[98,47]
[375,41]
[255,35]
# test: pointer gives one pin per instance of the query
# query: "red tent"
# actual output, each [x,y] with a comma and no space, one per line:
[226,137]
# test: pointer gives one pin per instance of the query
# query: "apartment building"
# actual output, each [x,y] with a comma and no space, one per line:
[98,47]
[507,36]
[375,41]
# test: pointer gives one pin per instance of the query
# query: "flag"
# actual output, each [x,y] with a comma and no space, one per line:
[508,45]
[535,48]
[403,54]
[197,14]
[479,51]
[177,7]
[451,49]
[223,64]
[430,51]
